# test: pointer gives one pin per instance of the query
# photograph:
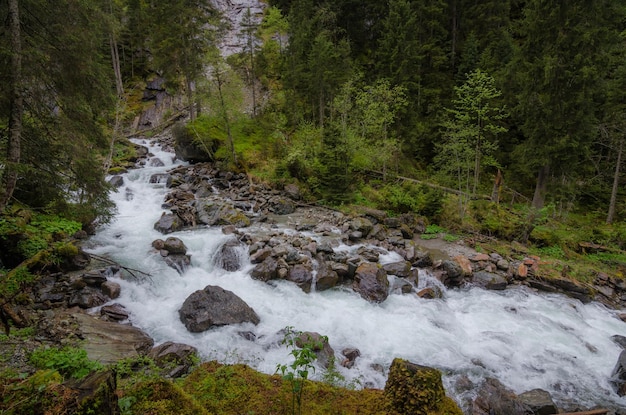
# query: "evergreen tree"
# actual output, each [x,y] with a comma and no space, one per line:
[65,83]
[183,32]
[557,72]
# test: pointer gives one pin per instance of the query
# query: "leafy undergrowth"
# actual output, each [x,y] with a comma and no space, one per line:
[216,389]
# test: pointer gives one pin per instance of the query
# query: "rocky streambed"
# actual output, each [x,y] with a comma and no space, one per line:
[246,260]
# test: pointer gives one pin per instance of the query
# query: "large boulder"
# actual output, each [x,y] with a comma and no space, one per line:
[214,306]
[415,389]
[371,282]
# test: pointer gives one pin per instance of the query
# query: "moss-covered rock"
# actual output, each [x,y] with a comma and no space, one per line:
[415,389]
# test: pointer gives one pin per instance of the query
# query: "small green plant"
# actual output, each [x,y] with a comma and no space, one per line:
[451,238]
[298,371]
[69,361]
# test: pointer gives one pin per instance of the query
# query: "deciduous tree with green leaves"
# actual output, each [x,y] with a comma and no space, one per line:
[471,132]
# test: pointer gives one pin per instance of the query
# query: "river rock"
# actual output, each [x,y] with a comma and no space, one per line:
[214,213]
[320,346]
[175,246]
[94,278]
[350,355]
[228,256]
[453,275]
[108,342]
[326,277]
[371,282]
[489,280]
[111,289]
[620,340]
[399,269]
[618,376]
[302,275]
[495,399]
[168,223]
[179,262]
[266,270]
[539,402]
[281,205]
[114,312]
[177,358]
[87,298]
[214,306]
[362,225]
[116,181]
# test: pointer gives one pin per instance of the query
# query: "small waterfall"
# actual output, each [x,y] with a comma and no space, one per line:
[525,340]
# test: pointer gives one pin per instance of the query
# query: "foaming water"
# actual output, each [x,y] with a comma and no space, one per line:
[525,340]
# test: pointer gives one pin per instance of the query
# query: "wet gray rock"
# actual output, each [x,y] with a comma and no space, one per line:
[116,181]
[214,306]
[214,212]
[371,282]
[302,276]
[618,376]
[326,277]
[175,246]
[168,223]
[266,270]
[620,340]
[179,262]
[489,280]
[281,205]
[362,225]
[228,256]
[400,269]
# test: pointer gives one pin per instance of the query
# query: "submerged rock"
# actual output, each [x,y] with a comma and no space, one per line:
[215,306]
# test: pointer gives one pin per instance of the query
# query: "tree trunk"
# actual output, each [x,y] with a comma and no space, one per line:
[192,105]
[540,188]
[610,216]
[115,59]
[17,106]
[497,184]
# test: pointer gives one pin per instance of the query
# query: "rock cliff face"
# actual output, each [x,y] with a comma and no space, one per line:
[235,12]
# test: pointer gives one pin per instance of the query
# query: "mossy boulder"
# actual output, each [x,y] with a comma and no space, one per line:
[415,389]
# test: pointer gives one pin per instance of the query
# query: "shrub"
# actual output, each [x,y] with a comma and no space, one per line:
[68,361]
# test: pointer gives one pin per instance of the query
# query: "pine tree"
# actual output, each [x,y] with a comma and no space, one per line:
[556,72]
